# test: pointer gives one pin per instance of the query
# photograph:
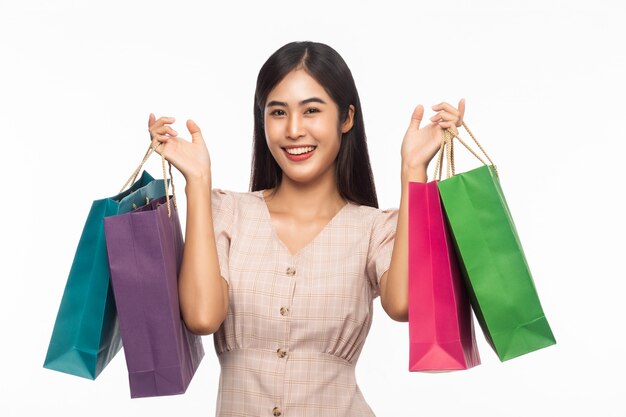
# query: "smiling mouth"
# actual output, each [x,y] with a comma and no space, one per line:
[300,150]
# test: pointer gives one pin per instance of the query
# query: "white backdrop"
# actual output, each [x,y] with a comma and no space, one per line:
[544,85]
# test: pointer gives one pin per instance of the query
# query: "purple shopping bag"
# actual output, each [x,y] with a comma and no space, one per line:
[145,250]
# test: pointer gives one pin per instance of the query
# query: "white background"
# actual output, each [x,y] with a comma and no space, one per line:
[544,85]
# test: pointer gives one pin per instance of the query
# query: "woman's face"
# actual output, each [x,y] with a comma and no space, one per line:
[302,127]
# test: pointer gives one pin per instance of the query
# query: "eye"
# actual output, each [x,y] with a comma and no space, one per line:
[277,112]
[312,110]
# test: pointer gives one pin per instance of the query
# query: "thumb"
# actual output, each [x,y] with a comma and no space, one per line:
[151,119]
[194,129]
[416,117]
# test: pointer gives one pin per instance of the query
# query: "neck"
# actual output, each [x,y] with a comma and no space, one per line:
[312,199]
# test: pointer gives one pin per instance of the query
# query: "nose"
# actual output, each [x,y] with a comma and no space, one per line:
[295,127]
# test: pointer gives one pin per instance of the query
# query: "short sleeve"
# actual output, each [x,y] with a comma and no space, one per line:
[381,246]
[223,210]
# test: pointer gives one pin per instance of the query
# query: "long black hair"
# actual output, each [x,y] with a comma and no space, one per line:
[353,172]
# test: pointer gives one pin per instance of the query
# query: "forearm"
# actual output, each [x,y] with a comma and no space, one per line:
[395,297]
[202,299]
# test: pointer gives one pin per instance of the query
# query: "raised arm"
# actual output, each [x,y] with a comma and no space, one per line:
[418,148]
[202,292]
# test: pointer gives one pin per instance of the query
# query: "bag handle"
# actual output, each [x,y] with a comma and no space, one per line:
[133,177]
[447,146]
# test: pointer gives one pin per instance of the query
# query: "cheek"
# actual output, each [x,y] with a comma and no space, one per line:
[271,132]
[325,128]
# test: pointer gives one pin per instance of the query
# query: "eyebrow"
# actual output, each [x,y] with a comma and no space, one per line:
[303,102]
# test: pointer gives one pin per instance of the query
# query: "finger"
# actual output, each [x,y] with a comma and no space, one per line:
[416,117]
[151,120]
[446,107]
[461,111]
[449,125]
[162,130]
[443,116]
[162,138]
[194,129]
[164,120]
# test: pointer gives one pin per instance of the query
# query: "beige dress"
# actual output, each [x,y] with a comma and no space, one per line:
[296,324]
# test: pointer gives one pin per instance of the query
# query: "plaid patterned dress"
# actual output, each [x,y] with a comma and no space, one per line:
[296,324]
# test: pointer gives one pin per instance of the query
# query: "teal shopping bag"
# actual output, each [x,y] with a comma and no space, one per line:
[499,280]
[86,334]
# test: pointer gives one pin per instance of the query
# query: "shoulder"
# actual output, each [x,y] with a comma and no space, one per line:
[221,194]
[372,213]
[375,218]
[234,199]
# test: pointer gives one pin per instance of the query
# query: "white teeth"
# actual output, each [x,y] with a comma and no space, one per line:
[299,151]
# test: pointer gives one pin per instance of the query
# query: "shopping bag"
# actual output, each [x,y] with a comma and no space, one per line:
[86,336]
[145,249]
[441,330]
[500,283]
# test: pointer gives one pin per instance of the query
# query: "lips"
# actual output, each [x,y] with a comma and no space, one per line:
[299,153]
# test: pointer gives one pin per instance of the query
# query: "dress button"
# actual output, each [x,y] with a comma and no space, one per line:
[291,271]
[281,353]
[284,311]
[276,411]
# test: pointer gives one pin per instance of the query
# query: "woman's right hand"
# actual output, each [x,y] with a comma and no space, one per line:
[190,158]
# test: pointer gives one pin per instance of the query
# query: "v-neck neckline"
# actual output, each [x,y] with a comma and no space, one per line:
[310,243]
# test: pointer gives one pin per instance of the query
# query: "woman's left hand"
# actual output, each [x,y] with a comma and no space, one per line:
[419,146]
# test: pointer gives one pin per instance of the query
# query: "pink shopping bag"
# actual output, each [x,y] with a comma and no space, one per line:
[441,330]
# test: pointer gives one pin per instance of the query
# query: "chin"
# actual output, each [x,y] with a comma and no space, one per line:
[304,172]
[299,178]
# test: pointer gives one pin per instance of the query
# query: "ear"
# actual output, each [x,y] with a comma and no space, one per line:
[347,125]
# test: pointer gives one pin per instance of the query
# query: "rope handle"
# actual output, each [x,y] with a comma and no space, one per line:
[447,146]
[133,177]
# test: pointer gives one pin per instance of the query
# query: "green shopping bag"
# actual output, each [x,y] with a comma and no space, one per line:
[499,281]
[86,333]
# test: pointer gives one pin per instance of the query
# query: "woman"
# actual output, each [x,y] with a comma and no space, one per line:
[285,275]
